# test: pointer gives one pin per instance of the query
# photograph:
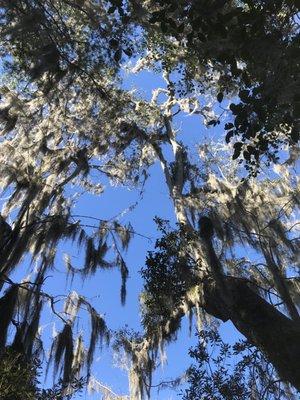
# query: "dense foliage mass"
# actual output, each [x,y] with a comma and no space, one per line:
[70,128]
[212,376]
[236,51]
[19,379]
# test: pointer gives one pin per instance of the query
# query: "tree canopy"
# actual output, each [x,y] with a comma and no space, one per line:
[71,128]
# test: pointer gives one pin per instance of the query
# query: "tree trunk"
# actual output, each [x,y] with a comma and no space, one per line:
[277,336]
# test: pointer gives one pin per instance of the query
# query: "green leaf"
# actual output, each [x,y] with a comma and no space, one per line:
[114,43]
[229,136]
[234,108]
[128,52]
[229,125]
[220,97]
[237,150]
[244,95]
[118,55]
[246,155]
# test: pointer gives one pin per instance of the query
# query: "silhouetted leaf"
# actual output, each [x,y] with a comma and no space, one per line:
[118,55]
[220,97]
[237,150]
[229,126]
[228,136]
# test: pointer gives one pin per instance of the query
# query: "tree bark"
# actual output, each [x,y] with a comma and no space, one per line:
[277,336]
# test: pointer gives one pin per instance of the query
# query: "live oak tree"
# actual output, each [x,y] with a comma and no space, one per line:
[69,127]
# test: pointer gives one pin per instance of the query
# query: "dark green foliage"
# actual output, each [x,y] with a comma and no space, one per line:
[253,45]
[220,97]
[231,372]
[168,275]
[20,379]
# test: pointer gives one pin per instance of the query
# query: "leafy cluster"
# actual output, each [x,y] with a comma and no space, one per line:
[19,379]
[230,372]
[244,48]
[168,275]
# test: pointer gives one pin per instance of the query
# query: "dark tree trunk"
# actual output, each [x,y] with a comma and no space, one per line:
[277,336]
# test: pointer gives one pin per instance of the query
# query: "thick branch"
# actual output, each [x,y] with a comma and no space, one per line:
[263,325]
